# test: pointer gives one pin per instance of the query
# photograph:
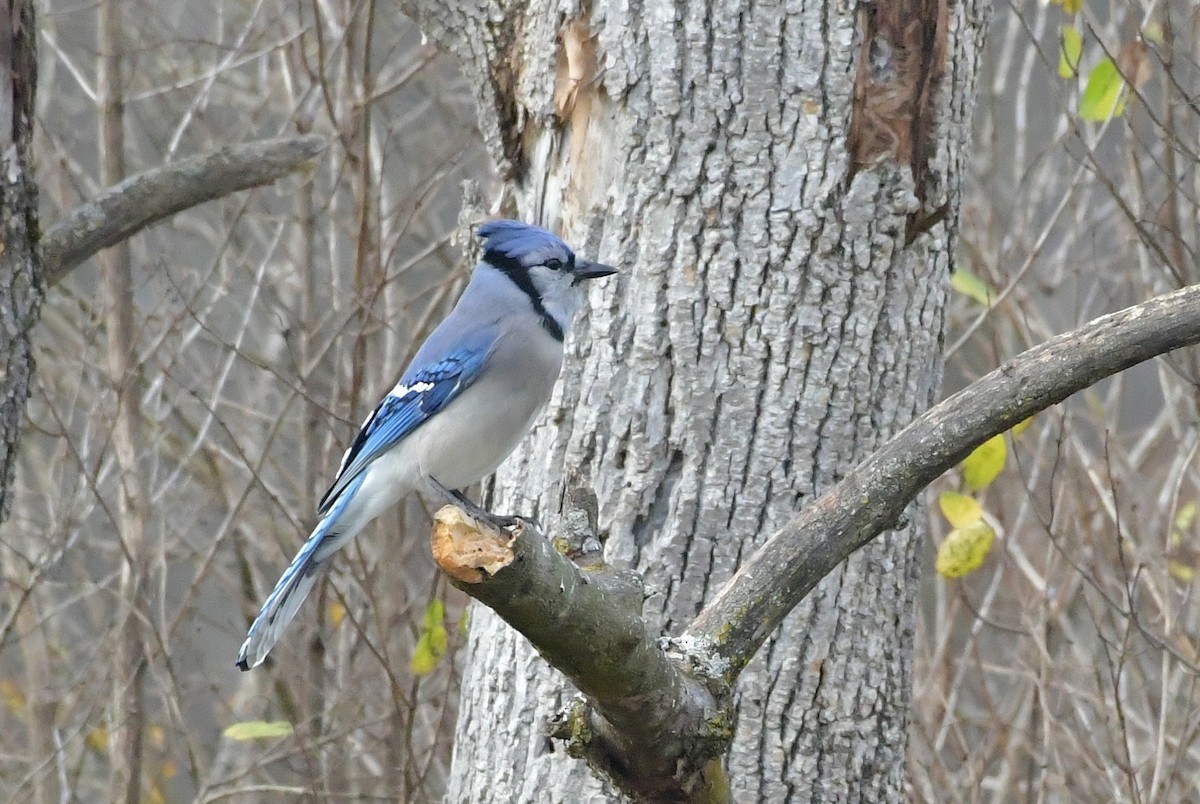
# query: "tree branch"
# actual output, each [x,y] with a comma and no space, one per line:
[657,714]
[143,200]
[585,619]
[872,498]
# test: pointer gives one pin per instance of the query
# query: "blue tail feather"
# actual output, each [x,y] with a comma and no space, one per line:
[294,586]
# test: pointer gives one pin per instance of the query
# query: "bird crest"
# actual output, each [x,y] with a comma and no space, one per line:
[509,242]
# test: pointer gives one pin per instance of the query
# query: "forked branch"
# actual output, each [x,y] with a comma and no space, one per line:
[656,716]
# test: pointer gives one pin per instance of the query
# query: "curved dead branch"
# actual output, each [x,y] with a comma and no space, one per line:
[147,198]
[872,498]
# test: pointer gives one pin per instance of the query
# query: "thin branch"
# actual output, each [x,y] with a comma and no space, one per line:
[143,200]
[872,498]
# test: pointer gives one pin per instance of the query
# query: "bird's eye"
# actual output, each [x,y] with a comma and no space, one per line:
[553,264]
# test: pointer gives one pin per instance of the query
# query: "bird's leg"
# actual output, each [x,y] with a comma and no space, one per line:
[473,510]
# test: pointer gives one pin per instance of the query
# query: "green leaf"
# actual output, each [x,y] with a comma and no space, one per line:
[1104,95]
[258,730]
[964,550]
[971,286]
[981,466]
[429,651]
[960,510]
[1070,47]
[433,642]
[435,614]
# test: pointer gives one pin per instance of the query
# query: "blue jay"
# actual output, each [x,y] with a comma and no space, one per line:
[470,395]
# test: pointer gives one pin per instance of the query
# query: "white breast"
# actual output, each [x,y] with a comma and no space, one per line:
[471,436]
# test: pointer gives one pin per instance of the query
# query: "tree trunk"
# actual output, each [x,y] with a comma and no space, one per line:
[21,288]
[21,293]
[126,715]
[779,188]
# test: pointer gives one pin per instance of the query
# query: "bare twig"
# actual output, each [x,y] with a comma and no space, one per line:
[143,200]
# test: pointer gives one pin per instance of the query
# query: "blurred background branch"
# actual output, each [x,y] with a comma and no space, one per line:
[144,200]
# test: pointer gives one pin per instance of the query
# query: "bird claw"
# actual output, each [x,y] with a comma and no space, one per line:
[499,521]
[473,510]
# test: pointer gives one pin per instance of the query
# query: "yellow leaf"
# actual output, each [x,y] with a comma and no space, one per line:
[169,769]
[1104,95]
[336,612]
[1068,6]
[464,623]
[439,640]
[1181,571]
[971,286]
[1070,47]
[959,509]
[98,739]
[1186,516]
[981,466]
[258,730]
[434,640]
[1021,427]
[14,699]
[964,550]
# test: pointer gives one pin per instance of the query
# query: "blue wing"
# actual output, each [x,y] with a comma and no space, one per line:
[420,394]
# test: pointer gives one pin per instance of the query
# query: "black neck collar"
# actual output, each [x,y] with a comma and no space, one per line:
[519,275]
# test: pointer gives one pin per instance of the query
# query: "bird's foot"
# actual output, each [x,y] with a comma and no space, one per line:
[476,512]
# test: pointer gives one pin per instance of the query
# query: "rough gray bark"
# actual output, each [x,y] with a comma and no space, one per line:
[780,314]
[21,287]
[21,294]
